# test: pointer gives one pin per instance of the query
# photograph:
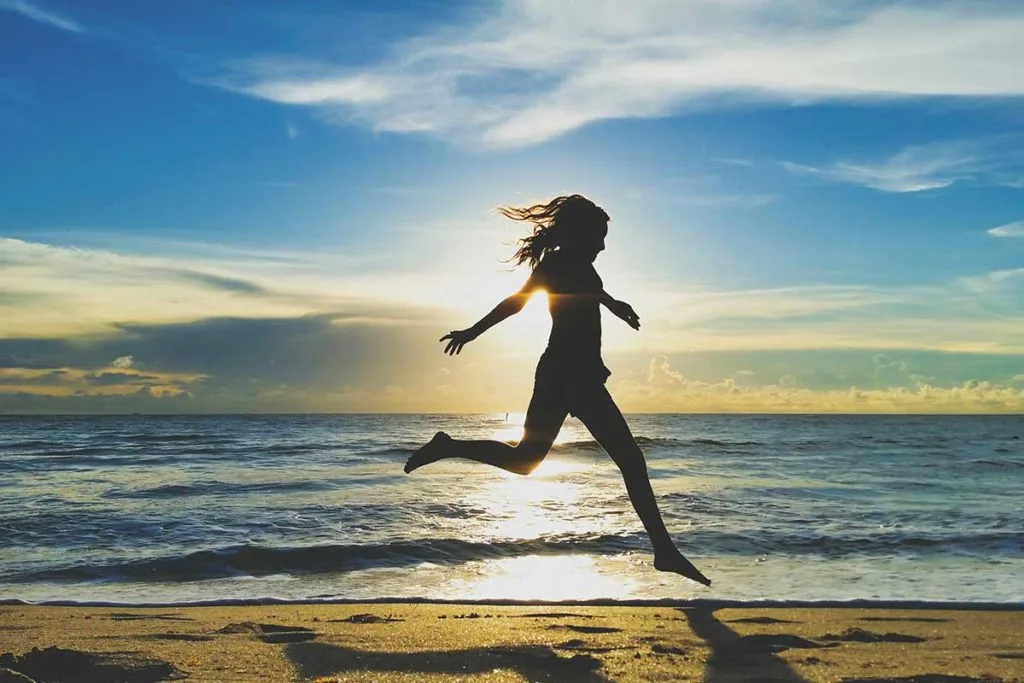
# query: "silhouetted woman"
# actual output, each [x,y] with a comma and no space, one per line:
[568,233]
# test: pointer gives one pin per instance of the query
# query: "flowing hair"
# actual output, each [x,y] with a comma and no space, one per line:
[553,223]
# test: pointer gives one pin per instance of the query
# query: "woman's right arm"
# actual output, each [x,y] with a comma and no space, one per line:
[506,308]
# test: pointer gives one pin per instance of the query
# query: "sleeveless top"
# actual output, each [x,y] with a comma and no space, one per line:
[574,347]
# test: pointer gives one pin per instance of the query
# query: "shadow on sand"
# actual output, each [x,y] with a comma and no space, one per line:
[744,658]
[534,663]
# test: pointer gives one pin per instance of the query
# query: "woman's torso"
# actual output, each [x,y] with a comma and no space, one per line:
[574,289]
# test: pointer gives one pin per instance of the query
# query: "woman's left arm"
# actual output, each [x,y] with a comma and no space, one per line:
[620,309]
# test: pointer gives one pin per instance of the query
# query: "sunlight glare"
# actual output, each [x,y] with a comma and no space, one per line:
[511,430]
[547,577]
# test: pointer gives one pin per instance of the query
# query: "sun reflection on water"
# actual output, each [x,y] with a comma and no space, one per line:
[511,430]
[543,505]
[546,577]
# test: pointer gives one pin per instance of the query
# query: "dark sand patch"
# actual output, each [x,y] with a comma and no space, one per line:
[581,646]
[666,650]
[586,629]
[859,635]
[554,615]
[11,676]
[189,637]
[927,678]
[132,616]
[55,664]
[924,620]
[761,620]
[774,643]
[366,619]
[1009,655]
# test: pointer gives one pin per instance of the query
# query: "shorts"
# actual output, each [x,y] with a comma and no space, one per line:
[565,387]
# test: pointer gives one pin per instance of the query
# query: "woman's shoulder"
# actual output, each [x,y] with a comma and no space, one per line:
[551,262]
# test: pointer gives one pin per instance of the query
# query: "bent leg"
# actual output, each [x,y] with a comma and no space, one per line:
[544,419]
[603,418]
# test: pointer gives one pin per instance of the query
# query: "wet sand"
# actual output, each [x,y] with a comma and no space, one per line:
[482,642]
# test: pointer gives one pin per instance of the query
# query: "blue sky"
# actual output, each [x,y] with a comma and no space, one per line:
[259,206]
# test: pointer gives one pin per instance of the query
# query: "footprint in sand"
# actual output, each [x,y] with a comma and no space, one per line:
[586,629]
[762,620]
[131,616]
[859,635]
[272,633]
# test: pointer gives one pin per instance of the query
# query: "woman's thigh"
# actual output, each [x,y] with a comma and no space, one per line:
[544,417]
[596,409]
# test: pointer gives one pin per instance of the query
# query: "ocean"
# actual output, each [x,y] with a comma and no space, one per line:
[140,509]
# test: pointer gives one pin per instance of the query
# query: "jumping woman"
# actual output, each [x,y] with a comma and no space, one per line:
[567,235]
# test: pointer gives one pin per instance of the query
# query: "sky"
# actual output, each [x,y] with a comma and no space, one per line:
[816,205]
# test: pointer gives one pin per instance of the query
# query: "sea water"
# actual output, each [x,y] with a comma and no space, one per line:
[182,509]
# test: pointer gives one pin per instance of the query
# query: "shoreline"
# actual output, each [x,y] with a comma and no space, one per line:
[536,641]
[705,603]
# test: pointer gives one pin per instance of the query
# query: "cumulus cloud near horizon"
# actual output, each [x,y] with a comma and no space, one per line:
[662,388]
[531,70]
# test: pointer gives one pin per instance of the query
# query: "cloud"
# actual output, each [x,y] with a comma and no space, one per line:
[56,291]
[90,382]
[1015,229]
[995,281]
[527,71]
[42,16]
[312,363]
[219,282]
[978,313]
[662,388]
[324,364]
[123,362]
[924,167]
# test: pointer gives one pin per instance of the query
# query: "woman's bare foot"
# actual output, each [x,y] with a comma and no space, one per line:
[675,562]
[434,450]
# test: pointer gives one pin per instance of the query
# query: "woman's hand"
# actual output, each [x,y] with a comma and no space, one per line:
[456,340]
[626,312]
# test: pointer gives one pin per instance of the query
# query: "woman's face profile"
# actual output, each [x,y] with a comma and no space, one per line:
[588,243]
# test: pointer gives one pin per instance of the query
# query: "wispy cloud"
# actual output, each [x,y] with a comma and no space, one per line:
[995,281]
[60,292]
[529,71]
[42,16]
[925,167]
[1015,229]
[52,291]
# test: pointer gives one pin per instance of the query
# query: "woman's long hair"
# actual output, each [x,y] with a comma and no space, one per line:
[553,223]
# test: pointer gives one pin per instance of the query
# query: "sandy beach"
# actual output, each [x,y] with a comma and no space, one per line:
[487,642]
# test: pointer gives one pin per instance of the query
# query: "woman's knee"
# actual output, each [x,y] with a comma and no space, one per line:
[532,454]
[628,457]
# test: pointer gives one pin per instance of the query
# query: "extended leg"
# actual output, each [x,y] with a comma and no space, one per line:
[544,418]
[605,421]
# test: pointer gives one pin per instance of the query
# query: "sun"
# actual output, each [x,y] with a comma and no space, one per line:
[474,296]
